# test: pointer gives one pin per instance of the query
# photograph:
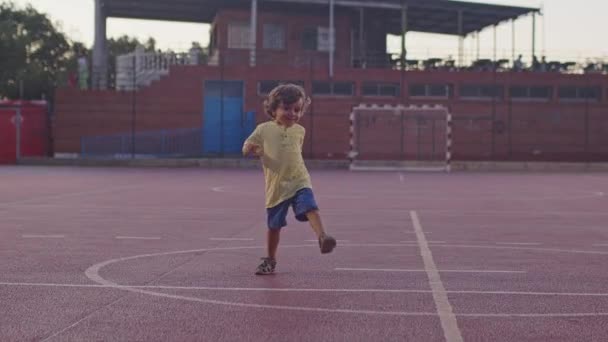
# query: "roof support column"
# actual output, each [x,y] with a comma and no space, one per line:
[460,39]
[362,53]
[403,34]
[332,40]
[100,53]
[478,45]
[513,41]
[253,32]
[533,37]
[495,46]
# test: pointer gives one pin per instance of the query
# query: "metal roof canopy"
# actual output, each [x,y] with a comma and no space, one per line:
[431,16]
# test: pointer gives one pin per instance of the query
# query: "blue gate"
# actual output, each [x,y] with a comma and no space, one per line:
[224,124]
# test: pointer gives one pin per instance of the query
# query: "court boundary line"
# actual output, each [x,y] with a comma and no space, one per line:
[451,331]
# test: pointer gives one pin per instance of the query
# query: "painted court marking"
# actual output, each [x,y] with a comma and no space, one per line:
[37,236]
[411,241]
[290,289]
[226,190]
[423,270]
[340,241]
[519,243]
[447,318]
[426,195]
[137,237]
[69,194]
[231,239]
[93,273]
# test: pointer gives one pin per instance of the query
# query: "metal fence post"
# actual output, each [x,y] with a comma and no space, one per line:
[18,133]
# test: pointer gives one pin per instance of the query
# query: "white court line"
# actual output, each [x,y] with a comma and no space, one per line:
[266,289]
[137,237]
[67,195]
[401,178]
[519,243]
[231,239]
[447,318]
[451,212]
[423,270]
[411,241]
[342,241]
[600,245]
[93,274]
[524,248]
[36,236]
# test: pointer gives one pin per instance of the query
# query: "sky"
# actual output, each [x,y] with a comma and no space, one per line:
[567,30]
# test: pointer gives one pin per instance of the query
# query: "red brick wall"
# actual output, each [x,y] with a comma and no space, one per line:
[539,130]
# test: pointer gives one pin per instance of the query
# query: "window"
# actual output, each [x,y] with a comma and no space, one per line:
[335,88]
[323,39]
[440,90]
[238,36]
[274,37]
[579,93]
[264,87]
[418,90]
[477,91]
[430,90]
[534,92]
[381,89]
[541,92]
[316,39]
[309,39]
[590,93]
[343,88]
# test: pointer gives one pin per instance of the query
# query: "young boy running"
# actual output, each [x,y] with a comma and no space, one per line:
[278,143]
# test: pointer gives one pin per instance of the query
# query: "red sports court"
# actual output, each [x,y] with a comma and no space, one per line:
[169,254]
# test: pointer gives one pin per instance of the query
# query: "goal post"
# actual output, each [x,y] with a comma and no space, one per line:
[400,138]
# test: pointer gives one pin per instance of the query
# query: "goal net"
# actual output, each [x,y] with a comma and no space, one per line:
[400,138]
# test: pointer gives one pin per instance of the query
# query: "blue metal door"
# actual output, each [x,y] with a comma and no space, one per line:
[223,120]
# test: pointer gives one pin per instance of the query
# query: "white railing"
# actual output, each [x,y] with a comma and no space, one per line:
[140,68]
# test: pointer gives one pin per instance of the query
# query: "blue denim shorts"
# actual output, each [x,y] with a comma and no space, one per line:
[302,202]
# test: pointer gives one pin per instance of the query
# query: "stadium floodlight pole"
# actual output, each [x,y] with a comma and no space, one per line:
[253,32]
[331,38]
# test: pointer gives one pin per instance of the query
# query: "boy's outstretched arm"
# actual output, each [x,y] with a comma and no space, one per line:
[254,144]
[249,147]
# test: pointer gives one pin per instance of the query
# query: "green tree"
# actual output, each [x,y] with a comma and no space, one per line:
[32,50]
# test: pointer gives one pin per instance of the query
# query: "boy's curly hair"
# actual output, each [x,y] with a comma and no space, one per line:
[285,94]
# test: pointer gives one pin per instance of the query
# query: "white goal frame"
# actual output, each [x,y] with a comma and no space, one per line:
[404,165]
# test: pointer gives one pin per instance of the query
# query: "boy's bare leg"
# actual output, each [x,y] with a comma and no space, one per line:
[274,236]
[315,222]
[326,242]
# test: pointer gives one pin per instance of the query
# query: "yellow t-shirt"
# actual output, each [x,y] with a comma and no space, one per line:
[284,170]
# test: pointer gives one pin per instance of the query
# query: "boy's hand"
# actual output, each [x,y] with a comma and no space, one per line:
[253,149]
